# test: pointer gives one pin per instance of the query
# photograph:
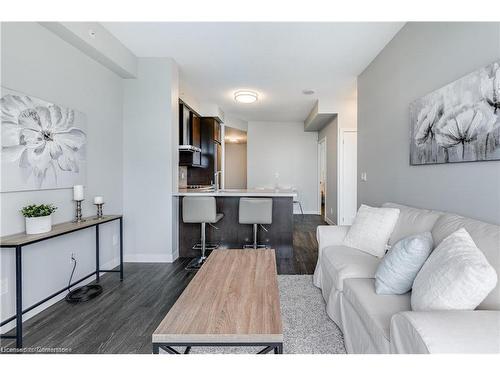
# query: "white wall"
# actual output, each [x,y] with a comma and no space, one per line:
[150,115]
[37,62]
[235,166]
[346,118]
[421,58]
[283,148]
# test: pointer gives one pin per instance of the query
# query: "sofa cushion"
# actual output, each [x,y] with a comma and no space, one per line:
[343,262]
[375,310]
[487,239]
[411,221]
[445,332]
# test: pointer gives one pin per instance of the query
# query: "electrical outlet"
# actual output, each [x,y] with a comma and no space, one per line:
[115,240]
[331,211]
[363,176]
[4,286]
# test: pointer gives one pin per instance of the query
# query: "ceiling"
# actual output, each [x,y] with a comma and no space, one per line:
[277,60]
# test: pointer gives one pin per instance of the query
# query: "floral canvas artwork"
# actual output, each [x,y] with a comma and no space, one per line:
[43,144]
[460,122]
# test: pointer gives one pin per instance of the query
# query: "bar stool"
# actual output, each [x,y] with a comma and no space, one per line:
[256,211]
[200,210]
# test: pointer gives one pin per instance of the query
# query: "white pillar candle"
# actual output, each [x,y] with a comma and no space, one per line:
[78,192]
[98,200]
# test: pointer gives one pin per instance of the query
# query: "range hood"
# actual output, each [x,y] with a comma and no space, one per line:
[189,148]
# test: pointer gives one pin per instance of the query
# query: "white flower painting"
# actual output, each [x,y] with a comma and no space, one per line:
[460,122]
[43,144]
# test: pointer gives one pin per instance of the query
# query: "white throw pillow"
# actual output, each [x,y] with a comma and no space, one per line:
[371,229]
[456,276]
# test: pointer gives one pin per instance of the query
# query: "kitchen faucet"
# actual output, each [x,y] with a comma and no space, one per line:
[217,178]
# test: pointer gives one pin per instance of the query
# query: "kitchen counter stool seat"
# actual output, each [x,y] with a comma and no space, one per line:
[200,210]
[256,211]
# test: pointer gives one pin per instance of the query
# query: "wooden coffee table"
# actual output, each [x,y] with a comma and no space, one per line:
[232,301]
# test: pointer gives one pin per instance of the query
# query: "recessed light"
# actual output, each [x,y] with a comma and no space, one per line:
[308,91]
[246,96]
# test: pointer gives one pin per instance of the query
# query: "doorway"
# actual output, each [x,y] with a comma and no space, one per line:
[322,176]
[235,158]
[347,177]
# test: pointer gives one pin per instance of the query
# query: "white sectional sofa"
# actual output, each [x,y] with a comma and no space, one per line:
[374,323]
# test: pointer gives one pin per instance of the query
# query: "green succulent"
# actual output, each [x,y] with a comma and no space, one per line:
[38,210]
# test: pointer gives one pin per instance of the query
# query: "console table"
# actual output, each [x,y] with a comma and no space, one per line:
[18,241]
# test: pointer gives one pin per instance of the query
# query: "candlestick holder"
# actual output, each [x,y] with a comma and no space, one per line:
[99,210]
[78,216]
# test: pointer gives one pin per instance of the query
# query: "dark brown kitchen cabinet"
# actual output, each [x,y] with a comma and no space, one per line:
[189,137]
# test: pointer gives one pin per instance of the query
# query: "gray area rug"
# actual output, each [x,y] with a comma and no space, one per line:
[307,329]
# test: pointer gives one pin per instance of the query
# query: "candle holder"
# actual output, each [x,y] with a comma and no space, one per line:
[78,216]
[99,210]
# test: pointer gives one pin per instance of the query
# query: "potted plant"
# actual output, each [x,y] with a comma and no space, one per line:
[38,218]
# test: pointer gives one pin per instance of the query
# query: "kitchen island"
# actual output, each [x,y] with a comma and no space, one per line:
[230,233]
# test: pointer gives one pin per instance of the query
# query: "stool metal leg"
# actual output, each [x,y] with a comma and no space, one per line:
[203,243]
[255,228]
[197,262]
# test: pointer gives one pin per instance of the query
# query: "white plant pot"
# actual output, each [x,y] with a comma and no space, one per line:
[36,225]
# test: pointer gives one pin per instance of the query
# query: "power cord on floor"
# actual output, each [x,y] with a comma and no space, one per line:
[72,271]
[84,293]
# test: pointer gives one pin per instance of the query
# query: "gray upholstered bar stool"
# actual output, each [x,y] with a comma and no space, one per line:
[200,210]
[256,211]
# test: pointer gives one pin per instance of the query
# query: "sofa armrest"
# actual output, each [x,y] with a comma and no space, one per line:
[330,235]
[475,331]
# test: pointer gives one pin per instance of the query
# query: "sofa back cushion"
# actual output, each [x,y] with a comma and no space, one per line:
[411,221]
[487,239]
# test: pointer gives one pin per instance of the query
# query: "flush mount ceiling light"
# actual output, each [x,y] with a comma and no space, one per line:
[245,96]
[308,91]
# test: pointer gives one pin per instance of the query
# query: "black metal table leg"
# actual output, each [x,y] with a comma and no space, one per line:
[97,272]
[121,248]
[19,299]
[279,349]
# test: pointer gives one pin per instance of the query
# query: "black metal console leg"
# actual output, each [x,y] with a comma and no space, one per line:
[121,249]
[97,272]
[156,349]
[19,299]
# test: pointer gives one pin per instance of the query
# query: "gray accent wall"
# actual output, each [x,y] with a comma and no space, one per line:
[421,58]
[37,62]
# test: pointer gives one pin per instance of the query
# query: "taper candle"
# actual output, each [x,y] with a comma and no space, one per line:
[78,192]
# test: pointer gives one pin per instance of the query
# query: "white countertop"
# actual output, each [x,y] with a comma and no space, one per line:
[238,193]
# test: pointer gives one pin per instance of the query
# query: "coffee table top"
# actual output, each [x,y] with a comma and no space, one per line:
[234,298]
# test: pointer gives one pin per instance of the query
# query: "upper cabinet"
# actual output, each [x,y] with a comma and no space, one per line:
[189,136]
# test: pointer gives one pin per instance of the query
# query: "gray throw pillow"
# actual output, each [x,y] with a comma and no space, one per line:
[399,267]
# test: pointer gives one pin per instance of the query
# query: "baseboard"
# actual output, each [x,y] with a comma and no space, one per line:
[330,222]
[150,258]
[108,265]
[307,212]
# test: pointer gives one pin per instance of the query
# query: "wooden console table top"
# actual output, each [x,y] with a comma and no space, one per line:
[233,298]
[21,239]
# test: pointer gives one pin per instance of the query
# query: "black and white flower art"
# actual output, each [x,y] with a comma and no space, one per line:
[459,122]
[43,144]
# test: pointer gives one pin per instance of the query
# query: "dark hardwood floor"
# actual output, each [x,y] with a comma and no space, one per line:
[122,319]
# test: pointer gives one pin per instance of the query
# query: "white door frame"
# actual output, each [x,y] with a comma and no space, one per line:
[340,163]
[322,140]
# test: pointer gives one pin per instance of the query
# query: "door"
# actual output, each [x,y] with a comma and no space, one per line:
[322,176]
[347,203]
